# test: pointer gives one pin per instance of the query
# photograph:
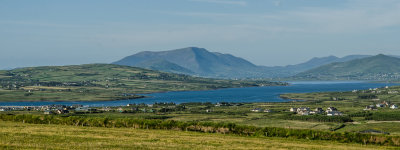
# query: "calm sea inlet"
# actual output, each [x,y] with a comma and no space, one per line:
[251,94]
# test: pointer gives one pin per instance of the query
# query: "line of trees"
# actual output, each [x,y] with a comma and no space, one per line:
[318,118]
[368,96]
[378,116]
[210,127]
[361,114]
[384,116]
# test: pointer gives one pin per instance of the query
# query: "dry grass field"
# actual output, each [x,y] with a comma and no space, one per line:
[38,136]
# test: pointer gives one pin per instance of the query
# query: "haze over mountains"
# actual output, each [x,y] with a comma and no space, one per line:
[201,62]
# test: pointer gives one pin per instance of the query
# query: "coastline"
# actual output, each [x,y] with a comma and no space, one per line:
[138,95]
[236,95]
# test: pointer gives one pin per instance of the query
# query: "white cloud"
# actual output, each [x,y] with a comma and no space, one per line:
[229,2]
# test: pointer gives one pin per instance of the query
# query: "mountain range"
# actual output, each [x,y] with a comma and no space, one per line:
[379,67]
[291,70]
[200,62]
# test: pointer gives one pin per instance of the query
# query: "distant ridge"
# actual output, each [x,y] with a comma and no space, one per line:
[319,61]
[379,67]
[200,62]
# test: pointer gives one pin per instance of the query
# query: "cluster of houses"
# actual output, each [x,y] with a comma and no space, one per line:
[49,109]
[36,108]
[19,108]
[330,111]
[381,105]
[64,109]
[377,90]
[393,92]
[134,109]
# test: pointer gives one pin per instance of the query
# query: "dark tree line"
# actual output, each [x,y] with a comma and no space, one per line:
[319,118]
[384,116]
[368,96]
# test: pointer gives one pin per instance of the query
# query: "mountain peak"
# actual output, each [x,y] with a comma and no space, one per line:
[198,60]
[193,49]
[382,55]
[327,57]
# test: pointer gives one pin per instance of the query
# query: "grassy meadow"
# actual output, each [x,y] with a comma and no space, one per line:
[42,136]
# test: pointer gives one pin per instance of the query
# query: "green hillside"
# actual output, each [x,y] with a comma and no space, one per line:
[379,67]
[99,82]
[165,66]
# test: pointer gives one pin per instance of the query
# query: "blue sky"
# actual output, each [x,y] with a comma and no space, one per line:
[265,32]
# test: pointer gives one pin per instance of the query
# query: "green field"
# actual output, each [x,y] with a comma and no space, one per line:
[38,136]
[350,103]
[215,118]
[242,115]
[95,82]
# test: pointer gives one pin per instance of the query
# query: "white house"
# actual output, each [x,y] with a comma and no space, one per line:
[293,109]
[256,110]
[330,109]
[370,107]
[334,113]
[380,105]
[48,112]
[318,110]
[303,109]
[385,103]
[267,110]
[303,112]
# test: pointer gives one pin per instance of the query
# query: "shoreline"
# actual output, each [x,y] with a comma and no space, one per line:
[177,98]
[141,95]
